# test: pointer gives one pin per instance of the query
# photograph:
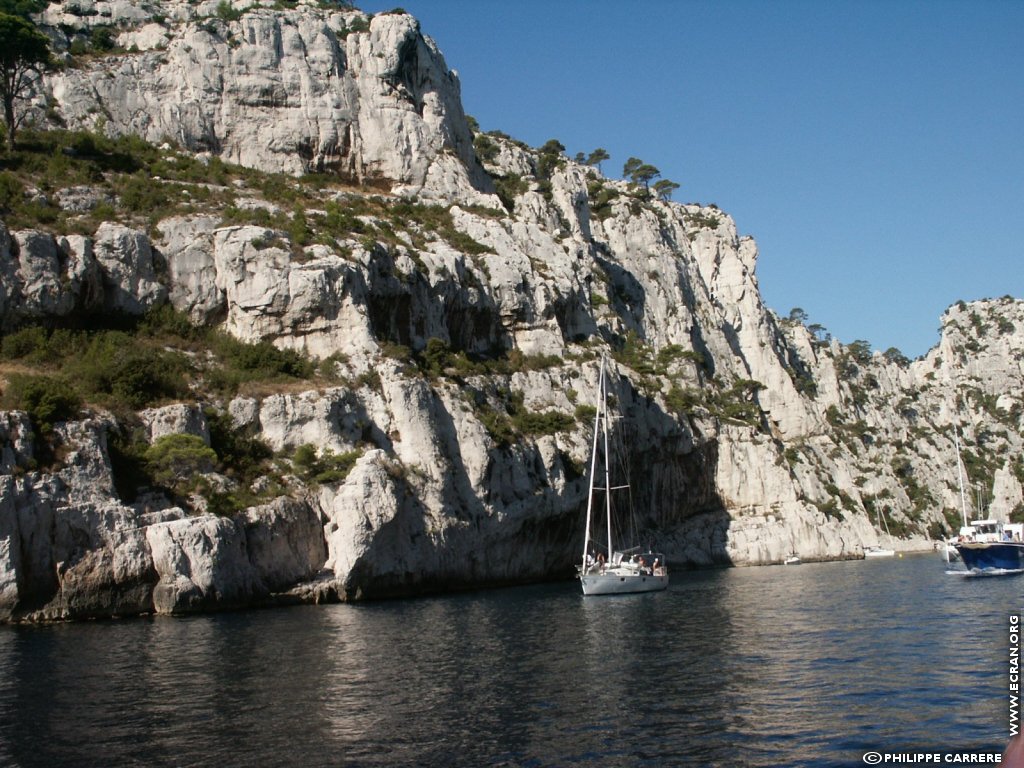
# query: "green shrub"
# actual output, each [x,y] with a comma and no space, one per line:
[486,148]
[585,414]
[463,243]
[359,24]
[1017,513]
[517,361]
[115,366]
[702,220]
[174,461]
[25,343]
[243,456]
[259,361]
[509,188]
[544,423]
[550,158]
[12,192]
[46,399]
[165,321]
[601,198]
[226,13]
[436,356]
[102,38]
[682,401]
[298,229]
[328,467]
[831,510]
[498,426]
[335,467]
[140,194]
[635,354]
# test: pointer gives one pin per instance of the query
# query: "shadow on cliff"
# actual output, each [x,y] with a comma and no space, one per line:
[408,310]
[672,470]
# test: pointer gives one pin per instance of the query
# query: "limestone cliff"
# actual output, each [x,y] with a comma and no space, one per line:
[461,294]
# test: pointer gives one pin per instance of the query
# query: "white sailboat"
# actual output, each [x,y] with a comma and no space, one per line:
[611,571]
[878,551]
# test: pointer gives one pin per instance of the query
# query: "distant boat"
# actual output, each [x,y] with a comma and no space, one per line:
[623,571]
[877,551]
[793,559]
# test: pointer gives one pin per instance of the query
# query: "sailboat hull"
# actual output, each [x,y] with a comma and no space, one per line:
[612,583]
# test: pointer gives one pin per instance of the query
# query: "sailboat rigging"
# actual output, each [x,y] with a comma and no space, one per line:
[616,575]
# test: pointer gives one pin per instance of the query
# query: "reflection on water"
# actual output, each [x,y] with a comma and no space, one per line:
[760,667]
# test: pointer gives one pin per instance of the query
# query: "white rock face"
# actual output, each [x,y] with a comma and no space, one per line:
[187,245]
[200,563]
[356,513]
[31,277]
[290,91]
[125,257]
[284,542]
[179,419]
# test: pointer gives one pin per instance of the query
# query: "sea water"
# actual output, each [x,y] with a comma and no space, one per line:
[813,665]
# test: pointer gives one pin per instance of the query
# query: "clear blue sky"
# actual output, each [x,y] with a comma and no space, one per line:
[874,149]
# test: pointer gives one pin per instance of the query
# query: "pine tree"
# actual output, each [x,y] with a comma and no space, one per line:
[25,51]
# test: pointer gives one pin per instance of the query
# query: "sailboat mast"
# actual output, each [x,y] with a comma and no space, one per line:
[593,465]
[607,460]
[960,475]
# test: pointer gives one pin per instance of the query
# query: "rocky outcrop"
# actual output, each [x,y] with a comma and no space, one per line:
[464,343]
[69,549]
[46,277]
[295,90]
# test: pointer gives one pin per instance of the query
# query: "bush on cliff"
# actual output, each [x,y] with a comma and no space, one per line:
[327,467]
[46,399]
[242,456]
[176,461]
[114,368]
[543,422]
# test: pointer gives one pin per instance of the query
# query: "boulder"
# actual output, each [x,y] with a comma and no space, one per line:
[201,563]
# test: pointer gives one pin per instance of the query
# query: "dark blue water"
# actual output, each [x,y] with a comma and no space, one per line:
[809,665]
